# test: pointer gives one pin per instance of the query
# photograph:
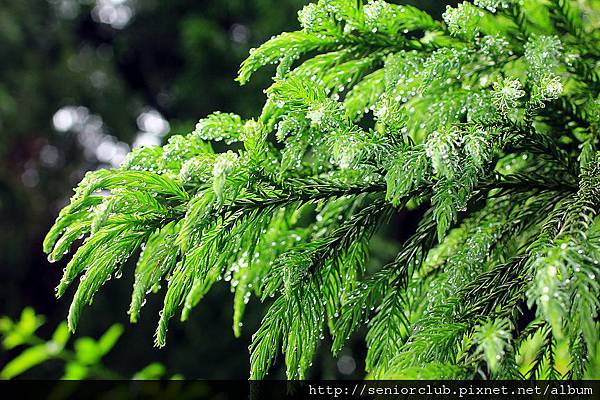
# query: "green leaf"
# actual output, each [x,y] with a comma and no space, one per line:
[75,371]
[108,340]
[157,259]
[87,351]
[28,359]
[61,335]
[21,331]
[150,372]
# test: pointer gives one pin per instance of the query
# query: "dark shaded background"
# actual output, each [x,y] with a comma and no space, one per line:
[81,82]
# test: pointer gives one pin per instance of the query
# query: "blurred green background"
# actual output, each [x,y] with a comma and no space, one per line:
[81,83]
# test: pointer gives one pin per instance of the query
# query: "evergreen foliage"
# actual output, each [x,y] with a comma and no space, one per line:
[490,118]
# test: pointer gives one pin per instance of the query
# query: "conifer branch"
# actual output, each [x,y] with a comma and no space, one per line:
[491,127]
